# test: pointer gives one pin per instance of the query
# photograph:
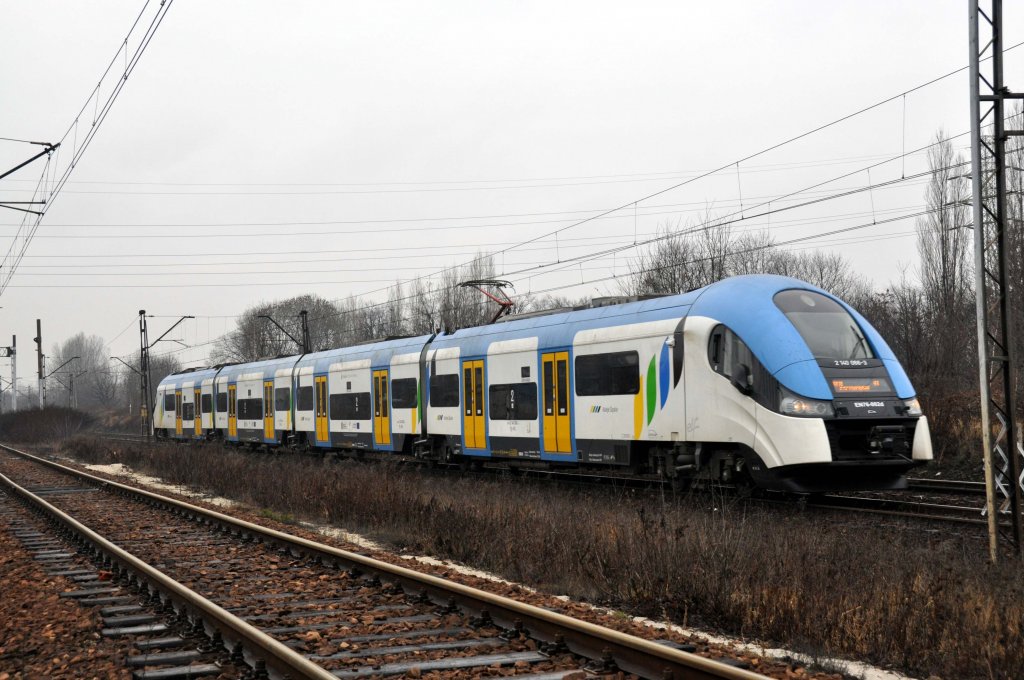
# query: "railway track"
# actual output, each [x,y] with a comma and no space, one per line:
[951,486]
[944,512]
[288,607]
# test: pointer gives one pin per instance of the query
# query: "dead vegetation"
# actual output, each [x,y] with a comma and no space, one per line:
[53,423]
[926,603]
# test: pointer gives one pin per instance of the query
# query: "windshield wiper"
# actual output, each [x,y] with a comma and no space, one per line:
[860,342]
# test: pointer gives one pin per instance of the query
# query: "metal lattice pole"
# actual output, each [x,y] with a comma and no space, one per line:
[1000,427]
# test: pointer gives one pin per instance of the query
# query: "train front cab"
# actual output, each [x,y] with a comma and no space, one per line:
[810,394]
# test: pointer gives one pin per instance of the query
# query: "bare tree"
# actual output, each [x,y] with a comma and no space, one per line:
[465,307]
[943,239]
[257,338]
[88,375]
[682,260]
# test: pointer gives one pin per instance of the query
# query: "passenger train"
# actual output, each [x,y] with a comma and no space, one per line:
[758,380]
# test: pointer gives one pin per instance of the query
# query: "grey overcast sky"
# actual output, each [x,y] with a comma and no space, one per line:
[266,149]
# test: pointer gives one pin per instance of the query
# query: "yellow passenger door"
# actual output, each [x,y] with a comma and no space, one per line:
[473,426]
[232,411]
[557,400]
[320,394]
[268,409]
[177,413]
[199,413]
[381,409]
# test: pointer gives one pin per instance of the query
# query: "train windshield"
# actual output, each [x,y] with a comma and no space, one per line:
[827,328]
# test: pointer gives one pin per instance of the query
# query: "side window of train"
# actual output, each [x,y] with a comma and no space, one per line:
[304,398]
[726,353]
[444,390]
[282,399]
[403,393]
[606,374]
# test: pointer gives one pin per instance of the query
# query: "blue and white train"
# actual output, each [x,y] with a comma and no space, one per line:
[761,380]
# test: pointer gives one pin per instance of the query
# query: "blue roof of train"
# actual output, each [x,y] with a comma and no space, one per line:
[743,303]
[267,365]
[177,379]
[559,329]
[379,353]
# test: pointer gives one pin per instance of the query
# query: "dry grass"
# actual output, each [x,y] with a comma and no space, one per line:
[33,426]
[892,597]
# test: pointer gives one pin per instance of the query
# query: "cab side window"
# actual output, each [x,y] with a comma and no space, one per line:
[726,351]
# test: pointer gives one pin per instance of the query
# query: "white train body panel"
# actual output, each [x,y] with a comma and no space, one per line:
[445,420]
[207,401]
[405,419]
[188,407]
[717,411]
[512,362]
[922,449]
[250,386]
[350,377]
[220,418]
[782,440]
[304,417]
[632,417]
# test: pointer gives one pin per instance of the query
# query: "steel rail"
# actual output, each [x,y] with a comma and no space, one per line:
[899,508]
[947,486]
[628,653]
[278,658]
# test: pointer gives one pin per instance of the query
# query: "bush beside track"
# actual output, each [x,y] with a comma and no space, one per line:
[926,604]
[33,426]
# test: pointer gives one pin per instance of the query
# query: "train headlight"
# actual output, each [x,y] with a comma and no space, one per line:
[794,405]
[913,407]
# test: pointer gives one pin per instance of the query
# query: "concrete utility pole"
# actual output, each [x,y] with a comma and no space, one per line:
[1000,431]
[145,374]
[14,372]
[307,346]
[39,359]
[12,352]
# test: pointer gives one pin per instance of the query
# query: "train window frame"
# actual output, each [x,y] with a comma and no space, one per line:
[206,403]
[726,350]
[250,408]
[305,400]
[168,401]
[188,410]
[222,402]
[763,387]
[350,406]
[282,398]
[595,375]
[404,393]
[445,391]
[513,401]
